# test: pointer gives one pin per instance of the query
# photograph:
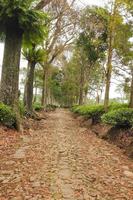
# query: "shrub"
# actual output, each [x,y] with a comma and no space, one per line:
[7,116]
[37,107]
[94,112]
[119,118]
[116,106]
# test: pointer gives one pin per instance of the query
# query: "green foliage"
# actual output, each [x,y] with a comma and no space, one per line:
[119,118]
[21,15]
[71,79]
[116,106]
[93,39]
[35,55]
[7,116]
[37,107]
[94,112]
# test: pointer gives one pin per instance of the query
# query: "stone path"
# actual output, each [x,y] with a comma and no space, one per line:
[62,161]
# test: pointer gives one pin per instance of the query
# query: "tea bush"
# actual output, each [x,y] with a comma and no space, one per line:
[7,116]
[119,118]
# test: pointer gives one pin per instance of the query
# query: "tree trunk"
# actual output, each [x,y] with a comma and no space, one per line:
[97,98]
[45,86]
[35,95]
[131,92]
[9,90]
[81,91]
[25,87]
[110,55]
[43,90]
[29,87]
[108,75]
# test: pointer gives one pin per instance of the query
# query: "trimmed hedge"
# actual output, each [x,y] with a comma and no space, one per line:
[116,106]
[119,118]
[37,107]
[7,116]
[94,112]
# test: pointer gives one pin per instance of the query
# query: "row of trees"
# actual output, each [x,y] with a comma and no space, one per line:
[103,49]
[87,58]
[20,23]
[71,54]
[42,31]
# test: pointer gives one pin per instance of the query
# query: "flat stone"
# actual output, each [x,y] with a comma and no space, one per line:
[25,139]
[32,178]
[67,191]
[125,168]
[16,180]
[6,172]
[65,173]
[36,184]
[20,153]
[10,162]
[2,178]
[128,174]
[6,180]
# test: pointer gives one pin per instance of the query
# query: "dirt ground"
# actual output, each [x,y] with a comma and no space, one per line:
[59,160]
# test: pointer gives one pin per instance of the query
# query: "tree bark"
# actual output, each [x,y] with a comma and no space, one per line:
[9,90]
[98,98]
[43,89]
[36,92]
[131,92]
[108,75]
[110,55]
[81,90]
[29,87]
[25,87]
[45,86]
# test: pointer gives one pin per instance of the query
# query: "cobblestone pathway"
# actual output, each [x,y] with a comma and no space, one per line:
[62,161]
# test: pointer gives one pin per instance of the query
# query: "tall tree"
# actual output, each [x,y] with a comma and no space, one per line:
[17,18]
[62,30]
[116,28]
[92,42]
[34,55]
[111,37]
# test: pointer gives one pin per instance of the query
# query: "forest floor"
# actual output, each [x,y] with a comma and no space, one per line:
[59,160]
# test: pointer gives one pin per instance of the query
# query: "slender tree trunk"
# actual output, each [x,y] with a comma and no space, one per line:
[25,87]
[81,90]
[29,87]
[35,95]
[110,55]
[85,98]
[108,75]
[45,89]
[45,85]
[9,94]
[131,92]
[97,98]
